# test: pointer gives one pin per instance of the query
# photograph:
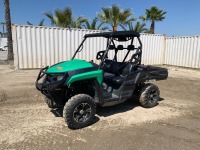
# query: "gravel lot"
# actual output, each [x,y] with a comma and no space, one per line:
[27,123]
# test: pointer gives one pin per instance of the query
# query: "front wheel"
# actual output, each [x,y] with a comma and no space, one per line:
[79,111]
[149,95]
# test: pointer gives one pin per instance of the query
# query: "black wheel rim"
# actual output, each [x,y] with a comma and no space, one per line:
[82,112]
[153,95]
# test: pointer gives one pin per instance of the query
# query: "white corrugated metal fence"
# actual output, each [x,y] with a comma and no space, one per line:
[3,54]
[183,51]
[37,47]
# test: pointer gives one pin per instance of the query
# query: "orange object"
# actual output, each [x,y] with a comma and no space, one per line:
[114,28]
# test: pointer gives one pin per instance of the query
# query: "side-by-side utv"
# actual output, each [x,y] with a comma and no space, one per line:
[78,86]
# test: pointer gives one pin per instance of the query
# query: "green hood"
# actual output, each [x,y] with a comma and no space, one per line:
[66,66]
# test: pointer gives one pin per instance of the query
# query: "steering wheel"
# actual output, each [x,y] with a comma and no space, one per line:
[100,55]
[107,64]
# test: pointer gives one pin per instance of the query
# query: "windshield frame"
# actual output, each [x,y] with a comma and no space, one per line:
[110,39]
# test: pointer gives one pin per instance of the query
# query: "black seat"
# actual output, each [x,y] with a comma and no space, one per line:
[112,67]
[117,71]
[113,79]
[129,68]
[118,79]
[109,75]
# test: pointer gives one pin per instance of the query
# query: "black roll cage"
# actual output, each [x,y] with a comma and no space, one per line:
[117,35]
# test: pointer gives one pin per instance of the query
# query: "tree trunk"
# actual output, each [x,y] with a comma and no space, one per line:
[115,28]
[152,26]
[9,30]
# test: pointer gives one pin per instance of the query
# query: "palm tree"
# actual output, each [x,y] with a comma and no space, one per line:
[154,14]
[61,18]
[139,27]
[143,18]
[114,16]
[78,22]
[41,23]
[9,31]
[64,18]
[93,25]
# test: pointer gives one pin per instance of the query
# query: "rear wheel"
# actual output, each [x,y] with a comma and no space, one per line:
[79,111]
[149,95]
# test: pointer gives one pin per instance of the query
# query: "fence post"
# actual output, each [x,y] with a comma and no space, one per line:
[15,48]
[164,49]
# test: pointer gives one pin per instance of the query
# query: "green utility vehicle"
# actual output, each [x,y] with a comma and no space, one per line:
[78,86]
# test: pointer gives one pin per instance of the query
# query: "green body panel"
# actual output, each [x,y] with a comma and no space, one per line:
[66,66]
[98,74]
[76,64]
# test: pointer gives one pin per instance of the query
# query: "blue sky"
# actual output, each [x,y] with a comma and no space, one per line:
[182,18]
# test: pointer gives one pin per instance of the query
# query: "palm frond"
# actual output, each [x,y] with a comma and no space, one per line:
[78,22]
[29,23]
[104,28]
[41,23]
[114,16]
[94,23]
[64,18]
[51,17]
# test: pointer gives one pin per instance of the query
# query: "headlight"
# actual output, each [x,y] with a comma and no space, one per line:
[54,77]
[59,78]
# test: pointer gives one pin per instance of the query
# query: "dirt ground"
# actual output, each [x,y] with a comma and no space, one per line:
[27,123]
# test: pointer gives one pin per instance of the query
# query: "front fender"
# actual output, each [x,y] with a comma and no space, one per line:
[97,74]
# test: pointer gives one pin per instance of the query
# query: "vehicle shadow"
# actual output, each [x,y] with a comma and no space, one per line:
[129,104]
[58,112]
[161,99]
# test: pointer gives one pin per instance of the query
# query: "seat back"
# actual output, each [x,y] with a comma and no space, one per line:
[114,67]
[111,47]
[120,47]
[129,68]
[130,47]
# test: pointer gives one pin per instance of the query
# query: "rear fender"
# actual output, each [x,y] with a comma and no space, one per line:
[151,73]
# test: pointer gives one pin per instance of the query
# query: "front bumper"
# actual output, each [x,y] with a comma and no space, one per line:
[55,91]
[48,86]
